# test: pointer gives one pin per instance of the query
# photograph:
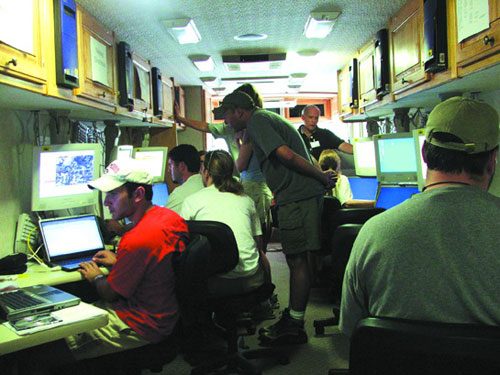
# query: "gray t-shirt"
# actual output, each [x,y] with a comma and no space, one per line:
[268,131]
[435,257]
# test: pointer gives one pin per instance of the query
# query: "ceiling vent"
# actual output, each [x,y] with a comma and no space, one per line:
[254,63]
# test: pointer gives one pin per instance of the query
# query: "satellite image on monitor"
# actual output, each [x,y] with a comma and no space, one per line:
[74,170]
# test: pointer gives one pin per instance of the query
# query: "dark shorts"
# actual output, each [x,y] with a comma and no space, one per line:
[299,224]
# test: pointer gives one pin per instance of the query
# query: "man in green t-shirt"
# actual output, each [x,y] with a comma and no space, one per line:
[298,188]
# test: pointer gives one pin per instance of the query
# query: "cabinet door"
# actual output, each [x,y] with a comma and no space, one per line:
[23,27]
[96,60]
[482,48]
[407,41]
[367,93]
[344,86]
[142,85]
[167,98]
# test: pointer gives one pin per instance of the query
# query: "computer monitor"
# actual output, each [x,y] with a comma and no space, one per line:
[122,152]
[396,161]
[419,137]
[364,157]
[390,196]
[363,188]
[155,160]
[160,194]
[61,174]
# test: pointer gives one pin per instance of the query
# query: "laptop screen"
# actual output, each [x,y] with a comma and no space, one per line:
[390,196]
[160,194]
[363,188]
[71,235]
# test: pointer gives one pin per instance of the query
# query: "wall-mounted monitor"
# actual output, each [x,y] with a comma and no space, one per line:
[61,174]
[155,160]
[364,157]
[396,160]
[419,138]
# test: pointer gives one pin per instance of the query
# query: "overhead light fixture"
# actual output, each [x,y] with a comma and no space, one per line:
[254,63]
[219,89]
[250,37]
[319,24]
[297,78]
[293,88]
[183,30]
[203,63]
[210,81]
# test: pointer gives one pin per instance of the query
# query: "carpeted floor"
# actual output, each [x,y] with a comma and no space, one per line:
[321,353]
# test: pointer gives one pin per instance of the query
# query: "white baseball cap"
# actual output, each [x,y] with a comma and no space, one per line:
[120,172]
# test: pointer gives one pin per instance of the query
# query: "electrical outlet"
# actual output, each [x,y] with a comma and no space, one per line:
[25,226]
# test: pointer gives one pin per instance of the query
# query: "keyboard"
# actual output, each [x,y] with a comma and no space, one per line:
[18,299]
[75,262]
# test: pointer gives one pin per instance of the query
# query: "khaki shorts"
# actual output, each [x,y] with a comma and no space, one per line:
[114,337]
[261,195]
[299,224]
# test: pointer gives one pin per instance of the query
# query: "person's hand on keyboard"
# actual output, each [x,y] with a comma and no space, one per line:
[89,270]
[105,257]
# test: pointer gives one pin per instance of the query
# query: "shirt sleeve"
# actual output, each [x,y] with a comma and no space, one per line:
[343,191]
[333,140]
[263,134]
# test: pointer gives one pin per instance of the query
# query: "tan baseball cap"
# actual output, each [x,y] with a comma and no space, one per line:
[120,172]
[473,121]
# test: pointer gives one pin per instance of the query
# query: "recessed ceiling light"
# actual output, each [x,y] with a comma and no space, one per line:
[319,24]
[219,89]
[250,37]
[183,30]
[203,63]
[210,81]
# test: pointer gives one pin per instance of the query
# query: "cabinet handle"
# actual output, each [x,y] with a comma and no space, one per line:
[404,81]
[13,62]
[103,94]
[487,40]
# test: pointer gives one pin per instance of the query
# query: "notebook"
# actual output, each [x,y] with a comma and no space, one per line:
[389,196]
[71,240]
[34,300]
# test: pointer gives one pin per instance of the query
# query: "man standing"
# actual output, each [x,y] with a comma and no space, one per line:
[184,167]
[139,292]
[317,139]
[435,257]
[298,188]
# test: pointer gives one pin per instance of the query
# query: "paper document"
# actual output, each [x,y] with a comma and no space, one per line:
[99,62]
[16,24]
[472,17]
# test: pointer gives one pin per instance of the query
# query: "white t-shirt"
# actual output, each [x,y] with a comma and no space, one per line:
[342,190]
[191,186]
[238,212]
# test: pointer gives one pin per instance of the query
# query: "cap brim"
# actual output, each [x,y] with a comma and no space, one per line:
[219,112]
[106,183]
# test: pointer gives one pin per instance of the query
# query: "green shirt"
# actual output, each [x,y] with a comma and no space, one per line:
[268,131]
[222,130]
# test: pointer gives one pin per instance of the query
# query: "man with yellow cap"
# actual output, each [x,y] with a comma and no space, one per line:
[436,256]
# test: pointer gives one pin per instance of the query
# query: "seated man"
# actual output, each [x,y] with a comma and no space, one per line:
[184,167]
[435,256]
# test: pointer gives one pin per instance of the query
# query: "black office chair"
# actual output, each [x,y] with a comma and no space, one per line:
[223,251]
[395,346]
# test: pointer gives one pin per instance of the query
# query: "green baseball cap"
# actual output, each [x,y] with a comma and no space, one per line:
[473,121]
[237,99]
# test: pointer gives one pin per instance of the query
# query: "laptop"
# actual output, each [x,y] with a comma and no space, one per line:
[363,188]
[34,300]
[71,240]
[389,196]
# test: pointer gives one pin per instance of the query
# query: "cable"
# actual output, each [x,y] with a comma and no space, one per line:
[34,253]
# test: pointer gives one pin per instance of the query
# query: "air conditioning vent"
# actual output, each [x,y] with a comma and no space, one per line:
[254,63]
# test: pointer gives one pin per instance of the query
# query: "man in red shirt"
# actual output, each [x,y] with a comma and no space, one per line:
[139,292]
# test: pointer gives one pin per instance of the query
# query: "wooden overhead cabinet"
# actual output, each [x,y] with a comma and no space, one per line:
[96,49]
[481,49]
[407,47]
[22,32]
[348,100]
[367,92]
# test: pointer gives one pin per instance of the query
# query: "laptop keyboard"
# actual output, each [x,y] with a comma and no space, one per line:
[71,262]
[19,299]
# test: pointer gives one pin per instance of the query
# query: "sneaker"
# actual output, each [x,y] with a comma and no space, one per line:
[286,331]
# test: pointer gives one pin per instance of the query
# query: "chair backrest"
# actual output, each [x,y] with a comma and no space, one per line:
[394,346]
[211,250]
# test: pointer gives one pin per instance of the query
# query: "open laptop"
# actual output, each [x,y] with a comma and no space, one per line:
[71,240]
[389,196]
[34,300]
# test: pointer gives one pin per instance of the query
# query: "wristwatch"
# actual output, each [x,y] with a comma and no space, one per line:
[100,276]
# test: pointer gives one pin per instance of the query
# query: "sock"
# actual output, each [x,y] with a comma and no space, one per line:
[298,315]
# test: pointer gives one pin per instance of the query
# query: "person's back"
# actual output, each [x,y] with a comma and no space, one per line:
[435,256]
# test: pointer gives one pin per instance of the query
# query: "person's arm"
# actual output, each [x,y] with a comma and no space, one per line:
[346,147]
[245,150]
[91,271]
[294,161]
[193,124]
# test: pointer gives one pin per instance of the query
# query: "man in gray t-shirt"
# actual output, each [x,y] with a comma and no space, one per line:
[435,257]
[298,188]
